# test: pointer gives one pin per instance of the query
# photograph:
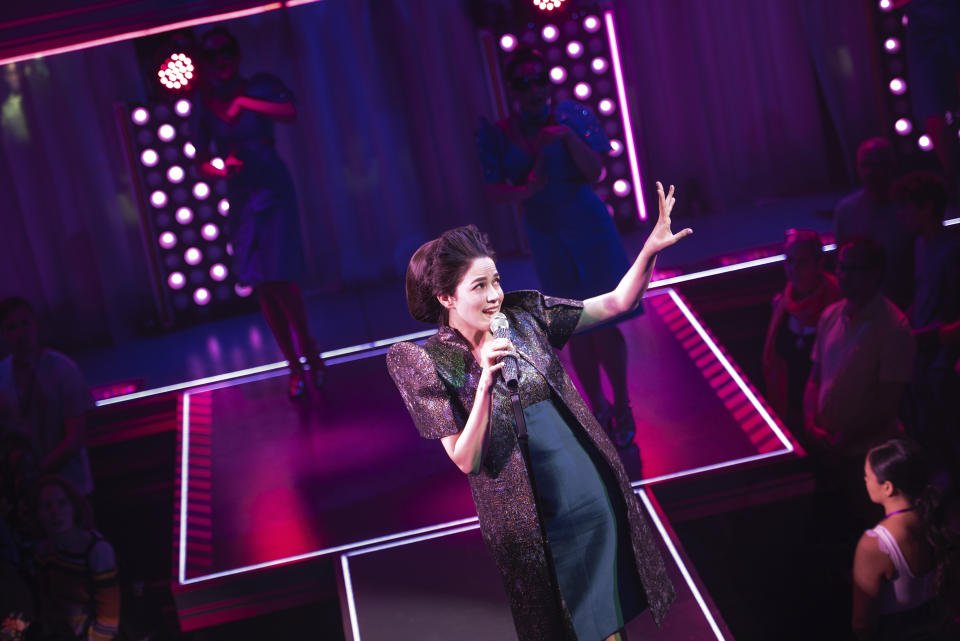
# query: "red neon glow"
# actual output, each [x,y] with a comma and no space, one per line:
[176,72]
[547,5]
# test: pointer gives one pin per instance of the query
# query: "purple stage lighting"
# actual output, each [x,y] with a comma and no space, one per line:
[166,132]
[189,150]
[182,107]
[606,106]
[892,45]
[591,24]
[508,42]
[176,280]
[201,190]
[550,33]
[168,240]
[193,256]
[616,148]
[925,143]
[621,187]
[599,65]
[574,49]
[223,206]
[242,290]
[184,215]
[218,272]
[158,199]
[558,75]
[886,5]
[903,126]
[201,296]
[140,116]
[898,86]
[210,232]
[149,157]
[175,174]
[582,90]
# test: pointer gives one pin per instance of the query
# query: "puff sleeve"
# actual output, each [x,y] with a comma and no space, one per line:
[557,317]
[426,396]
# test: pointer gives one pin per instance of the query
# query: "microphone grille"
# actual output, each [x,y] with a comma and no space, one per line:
[498,321]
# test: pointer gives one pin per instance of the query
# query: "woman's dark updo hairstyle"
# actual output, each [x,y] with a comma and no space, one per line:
[904,464]
[519,56]
[438,266]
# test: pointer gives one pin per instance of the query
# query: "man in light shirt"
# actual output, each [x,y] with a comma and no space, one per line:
[862,360]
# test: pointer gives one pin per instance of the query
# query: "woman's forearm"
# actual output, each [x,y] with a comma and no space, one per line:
[471,443]
[282,111]
[625,298]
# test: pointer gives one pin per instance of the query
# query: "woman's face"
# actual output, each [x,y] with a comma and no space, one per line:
[530,86]
[875,489]
[802,266]
[54,510]
[477,298]
[220,55]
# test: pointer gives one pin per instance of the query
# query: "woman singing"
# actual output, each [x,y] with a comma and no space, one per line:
[237,114]
[574,549]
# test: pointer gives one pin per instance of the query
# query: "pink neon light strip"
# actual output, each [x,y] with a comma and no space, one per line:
[627,126]
[139,33]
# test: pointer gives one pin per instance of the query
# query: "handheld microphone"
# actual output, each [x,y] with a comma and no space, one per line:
[501,329]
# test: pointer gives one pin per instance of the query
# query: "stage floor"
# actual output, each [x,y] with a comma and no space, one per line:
[268,481]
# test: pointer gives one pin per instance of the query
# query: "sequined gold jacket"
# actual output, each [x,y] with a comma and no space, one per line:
[438,383]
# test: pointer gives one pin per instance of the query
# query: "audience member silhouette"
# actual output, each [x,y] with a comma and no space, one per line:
[869,212]
[934,409]
[793,326]
[50,398]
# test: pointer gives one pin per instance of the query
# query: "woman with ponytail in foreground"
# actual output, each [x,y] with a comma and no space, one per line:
[903,565]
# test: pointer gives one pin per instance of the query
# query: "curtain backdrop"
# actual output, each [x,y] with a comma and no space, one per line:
[724,94]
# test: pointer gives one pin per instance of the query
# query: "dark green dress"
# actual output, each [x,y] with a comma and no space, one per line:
[583,527]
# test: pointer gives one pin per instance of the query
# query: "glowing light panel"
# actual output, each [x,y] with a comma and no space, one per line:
[574,49]
[210,231]
[149,157]
[627,124]
[903,126]
[193,256]
[158,199]
[168,240]
[140,116]
[184,215]
[201,296]
[558,75]
[201,190]
[925,143]
[176,280]
[550,33]
[175,174]
[166,132]
[218,272]
[898,86]
[582,90]
[182,107]
[508,42]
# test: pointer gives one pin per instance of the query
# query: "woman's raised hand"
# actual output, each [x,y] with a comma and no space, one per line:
[662,237]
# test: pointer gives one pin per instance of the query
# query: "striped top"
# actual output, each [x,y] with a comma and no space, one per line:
[82,587]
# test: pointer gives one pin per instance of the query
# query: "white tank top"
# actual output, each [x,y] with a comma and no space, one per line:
[904,591]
